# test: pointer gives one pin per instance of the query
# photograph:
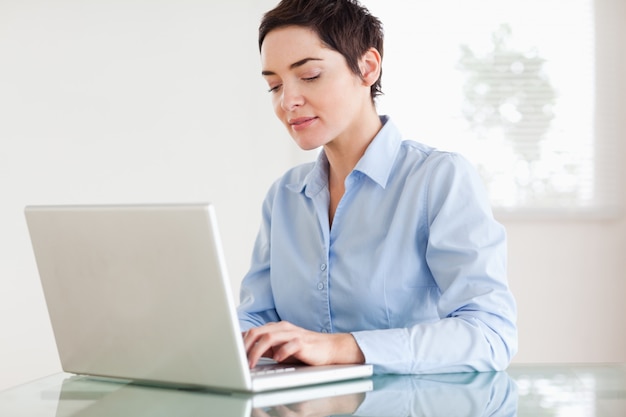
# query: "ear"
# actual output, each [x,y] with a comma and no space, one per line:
[370,65]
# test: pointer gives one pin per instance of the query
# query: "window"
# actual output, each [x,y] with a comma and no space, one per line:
[507,83]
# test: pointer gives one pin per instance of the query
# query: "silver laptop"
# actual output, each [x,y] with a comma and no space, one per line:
[141,292]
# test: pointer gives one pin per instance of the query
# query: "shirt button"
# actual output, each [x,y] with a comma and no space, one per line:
[324,331]
[320,286]
[323,267]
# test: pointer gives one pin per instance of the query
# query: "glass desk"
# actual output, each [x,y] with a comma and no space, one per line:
[523,390]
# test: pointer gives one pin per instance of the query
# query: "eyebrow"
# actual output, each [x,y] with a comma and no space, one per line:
[292,66]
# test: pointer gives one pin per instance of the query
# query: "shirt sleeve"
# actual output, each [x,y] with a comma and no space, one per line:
[256,299]
[466,254]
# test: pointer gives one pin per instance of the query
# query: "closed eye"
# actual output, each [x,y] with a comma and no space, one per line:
[305,79]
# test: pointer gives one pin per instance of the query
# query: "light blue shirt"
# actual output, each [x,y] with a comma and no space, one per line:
[414,265]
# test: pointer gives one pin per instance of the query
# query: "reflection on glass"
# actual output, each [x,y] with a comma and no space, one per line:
[87,397]
[450,395]
[83,397]
[338,405]
[559,394]
[479,394]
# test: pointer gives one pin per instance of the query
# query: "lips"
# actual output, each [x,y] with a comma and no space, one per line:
[300,123]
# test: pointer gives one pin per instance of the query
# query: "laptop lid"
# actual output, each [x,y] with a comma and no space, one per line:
[141,292]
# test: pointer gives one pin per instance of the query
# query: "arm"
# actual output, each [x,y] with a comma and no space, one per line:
[466,254]
[256,299]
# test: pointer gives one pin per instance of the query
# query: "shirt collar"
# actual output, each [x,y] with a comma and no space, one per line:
[380,155]
[376,163]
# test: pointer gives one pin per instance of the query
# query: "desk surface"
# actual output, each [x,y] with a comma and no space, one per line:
[523,390]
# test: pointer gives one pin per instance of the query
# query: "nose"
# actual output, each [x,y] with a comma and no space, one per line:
[291,98]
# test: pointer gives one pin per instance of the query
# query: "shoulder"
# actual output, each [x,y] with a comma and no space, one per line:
[294,180]
[295,177]
[297,174]
[443,177]
[417,156]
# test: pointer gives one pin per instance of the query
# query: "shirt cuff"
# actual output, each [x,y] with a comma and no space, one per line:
[389,350]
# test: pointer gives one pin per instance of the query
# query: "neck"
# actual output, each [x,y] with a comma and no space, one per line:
[344,153]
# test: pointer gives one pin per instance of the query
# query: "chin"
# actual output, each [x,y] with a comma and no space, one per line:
[307,145]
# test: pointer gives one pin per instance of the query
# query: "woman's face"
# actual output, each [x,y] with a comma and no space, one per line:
[314,93]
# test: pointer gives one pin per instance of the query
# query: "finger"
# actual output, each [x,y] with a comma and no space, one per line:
[290,349]
[267,339]
[256,348]
[270,342]
[284,411]
[265,346]
[251,336]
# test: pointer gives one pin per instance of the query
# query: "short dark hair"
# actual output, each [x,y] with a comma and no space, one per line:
[343,25]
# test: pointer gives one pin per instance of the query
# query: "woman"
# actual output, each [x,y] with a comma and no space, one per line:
[382,251]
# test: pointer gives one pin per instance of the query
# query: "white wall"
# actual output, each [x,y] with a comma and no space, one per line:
[118,102]
[143,101]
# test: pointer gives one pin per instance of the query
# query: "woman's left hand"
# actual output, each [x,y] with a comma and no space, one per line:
[283,342]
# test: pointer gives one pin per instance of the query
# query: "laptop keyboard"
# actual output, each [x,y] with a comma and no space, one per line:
[271,370]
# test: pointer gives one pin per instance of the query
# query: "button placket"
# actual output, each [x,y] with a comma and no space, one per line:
[322,286]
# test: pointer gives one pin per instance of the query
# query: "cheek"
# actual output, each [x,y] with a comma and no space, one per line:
[337,94]
[332,105]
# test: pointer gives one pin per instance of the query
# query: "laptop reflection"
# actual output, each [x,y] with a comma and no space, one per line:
[92,397]
[468,394]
